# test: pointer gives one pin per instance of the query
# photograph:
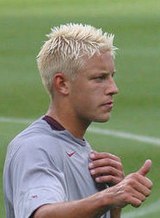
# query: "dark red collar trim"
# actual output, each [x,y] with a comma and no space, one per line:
[53,123]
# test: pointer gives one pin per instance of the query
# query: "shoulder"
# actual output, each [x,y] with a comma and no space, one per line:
[37,138]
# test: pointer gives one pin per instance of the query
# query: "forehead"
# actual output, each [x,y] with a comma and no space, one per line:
[101,62]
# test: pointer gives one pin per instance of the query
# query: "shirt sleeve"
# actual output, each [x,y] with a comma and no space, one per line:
[36,180]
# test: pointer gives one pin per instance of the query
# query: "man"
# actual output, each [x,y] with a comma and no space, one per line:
[50,169]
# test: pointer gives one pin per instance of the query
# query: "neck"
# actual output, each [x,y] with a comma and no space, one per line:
[75,126]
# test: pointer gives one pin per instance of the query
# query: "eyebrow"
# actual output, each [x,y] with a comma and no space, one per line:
[106,72]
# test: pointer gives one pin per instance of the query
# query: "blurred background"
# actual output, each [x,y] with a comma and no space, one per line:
[133,131]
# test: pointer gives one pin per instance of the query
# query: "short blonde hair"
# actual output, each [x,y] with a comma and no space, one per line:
[66,48]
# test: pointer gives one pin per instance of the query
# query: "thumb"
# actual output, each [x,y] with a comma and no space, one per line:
[145,168]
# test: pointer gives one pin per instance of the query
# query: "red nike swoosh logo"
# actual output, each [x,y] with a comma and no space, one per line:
[70,154]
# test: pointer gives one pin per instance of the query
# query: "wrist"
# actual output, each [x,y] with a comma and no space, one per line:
[106,199]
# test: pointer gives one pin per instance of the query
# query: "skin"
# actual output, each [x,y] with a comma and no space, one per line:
[87,98]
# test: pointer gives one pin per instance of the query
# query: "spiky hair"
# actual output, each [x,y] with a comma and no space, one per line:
[66,47]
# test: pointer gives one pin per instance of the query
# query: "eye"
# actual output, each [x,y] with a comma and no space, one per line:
[113,74]
[101,77]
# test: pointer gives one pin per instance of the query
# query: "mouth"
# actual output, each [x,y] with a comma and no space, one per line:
[108,105]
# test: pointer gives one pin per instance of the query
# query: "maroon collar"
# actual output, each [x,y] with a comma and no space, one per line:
[53,123]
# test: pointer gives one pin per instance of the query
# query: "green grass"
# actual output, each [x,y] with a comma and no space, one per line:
[135,24]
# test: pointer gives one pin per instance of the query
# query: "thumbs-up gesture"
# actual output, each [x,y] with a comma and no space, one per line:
[145,168]
[133,189]
[141,184]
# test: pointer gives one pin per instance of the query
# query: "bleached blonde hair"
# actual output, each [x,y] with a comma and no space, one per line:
[66,48]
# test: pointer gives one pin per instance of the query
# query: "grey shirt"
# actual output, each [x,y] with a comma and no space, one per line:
[46,164]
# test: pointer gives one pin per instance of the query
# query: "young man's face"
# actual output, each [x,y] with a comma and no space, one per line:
[92,90]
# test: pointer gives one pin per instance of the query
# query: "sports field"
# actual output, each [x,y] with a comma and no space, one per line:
[133,131]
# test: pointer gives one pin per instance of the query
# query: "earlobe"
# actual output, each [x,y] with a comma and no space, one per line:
[60,83]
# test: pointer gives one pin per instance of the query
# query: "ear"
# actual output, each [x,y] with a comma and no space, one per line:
[61,83]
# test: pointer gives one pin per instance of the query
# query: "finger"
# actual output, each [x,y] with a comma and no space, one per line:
[144,189]
[105,162]
[139,182]
[108,179]
[145,168]
[135,202]
[137,198]
[100,171]
[133,197]
[100,155]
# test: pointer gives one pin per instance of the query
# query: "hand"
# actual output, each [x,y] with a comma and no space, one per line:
[134,189]
[106,168]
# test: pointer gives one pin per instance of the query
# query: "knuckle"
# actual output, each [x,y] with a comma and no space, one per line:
[126,197]
[118,159]
[133,176]
[131,182]
[148,193]
[150,185]
[143,198]
[137,204]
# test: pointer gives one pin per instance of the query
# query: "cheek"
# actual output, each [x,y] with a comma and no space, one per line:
[89,101]
[87,96]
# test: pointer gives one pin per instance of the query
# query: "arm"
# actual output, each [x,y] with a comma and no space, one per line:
[133,189]
[91,207]
[107,168]
[116,213]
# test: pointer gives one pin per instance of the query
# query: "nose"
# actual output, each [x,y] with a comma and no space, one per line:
[112,88]
[116,89]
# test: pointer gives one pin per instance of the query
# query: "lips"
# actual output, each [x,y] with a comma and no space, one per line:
[108,105]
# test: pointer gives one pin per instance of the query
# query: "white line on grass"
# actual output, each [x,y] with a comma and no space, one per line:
[114,133]
[15,120]
[146,139]
[126,135]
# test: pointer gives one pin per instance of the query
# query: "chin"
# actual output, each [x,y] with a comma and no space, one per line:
[102,119]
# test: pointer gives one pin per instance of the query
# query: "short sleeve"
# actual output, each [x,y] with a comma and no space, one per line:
[36,180]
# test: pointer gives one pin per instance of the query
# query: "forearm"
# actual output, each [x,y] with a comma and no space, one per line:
[133,190]
[91,207]
[116,213]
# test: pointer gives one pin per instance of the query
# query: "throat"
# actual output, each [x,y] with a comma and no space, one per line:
[75,127]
